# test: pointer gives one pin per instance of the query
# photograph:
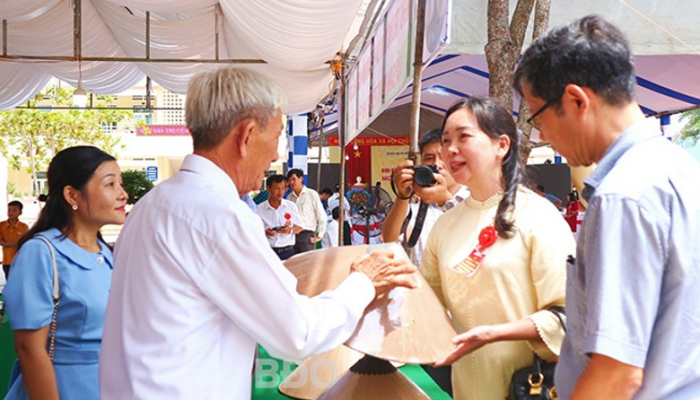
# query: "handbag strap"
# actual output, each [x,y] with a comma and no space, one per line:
[56,298]
[560,313]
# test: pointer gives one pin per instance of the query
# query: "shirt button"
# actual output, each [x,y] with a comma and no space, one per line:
[100,260]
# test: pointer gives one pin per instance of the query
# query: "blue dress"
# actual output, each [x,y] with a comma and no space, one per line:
[84,280]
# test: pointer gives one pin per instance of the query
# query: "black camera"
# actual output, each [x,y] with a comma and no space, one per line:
[423,175]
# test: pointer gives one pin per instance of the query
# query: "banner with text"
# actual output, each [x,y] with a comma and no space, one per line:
[384,67]
[372,141]
[164,130]
[384,160]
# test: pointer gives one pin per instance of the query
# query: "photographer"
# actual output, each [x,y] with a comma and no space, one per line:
[440,195]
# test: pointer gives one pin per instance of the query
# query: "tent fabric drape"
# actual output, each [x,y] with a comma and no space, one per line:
[295,38]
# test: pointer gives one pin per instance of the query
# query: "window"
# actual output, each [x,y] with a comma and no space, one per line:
[108,127]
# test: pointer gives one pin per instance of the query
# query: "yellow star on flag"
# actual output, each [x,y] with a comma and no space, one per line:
[358,154]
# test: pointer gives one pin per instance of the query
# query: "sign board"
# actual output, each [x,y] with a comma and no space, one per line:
[384,160]
[364,65]
[372,141]
[164,130]
[377,87]
[384,67]
[152,173]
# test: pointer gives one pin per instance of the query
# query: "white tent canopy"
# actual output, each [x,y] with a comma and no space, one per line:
[297,37]
[294,37]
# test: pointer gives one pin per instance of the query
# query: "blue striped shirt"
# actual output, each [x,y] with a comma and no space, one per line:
[632,293]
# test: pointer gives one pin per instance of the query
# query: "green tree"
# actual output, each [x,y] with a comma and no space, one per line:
[136,184]
[691,131]
[32,136]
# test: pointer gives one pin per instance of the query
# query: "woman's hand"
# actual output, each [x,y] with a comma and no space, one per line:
[468,342]
[479,336]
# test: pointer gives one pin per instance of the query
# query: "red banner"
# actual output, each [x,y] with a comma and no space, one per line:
[373,141]
[164,130]
[359,164]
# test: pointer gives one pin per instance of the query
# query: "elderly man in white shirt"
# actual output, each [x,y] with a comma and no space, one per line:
[280,217]
[313,215]
[196,285]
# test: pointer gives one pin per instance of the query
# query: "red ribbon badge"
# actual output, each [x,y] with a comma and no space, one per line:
[487,237]
[469,266]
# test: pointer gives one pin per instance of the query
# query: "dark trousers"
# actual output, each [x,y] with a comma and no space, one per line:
[6,269]
[347,235]
[284,252]
[303,242]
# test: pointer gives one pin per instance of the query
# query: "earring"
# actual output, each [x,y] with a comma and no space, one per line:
[74,207]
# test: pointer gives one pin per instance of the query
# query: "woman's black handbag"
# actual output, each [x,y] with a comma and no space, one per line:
[536,382]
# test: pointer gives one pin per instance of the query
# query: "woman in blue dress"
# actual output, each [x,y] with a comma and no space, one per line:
[85,193]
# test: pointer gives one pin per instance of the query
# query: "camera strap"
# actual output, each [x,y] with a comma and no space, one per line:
[417,226]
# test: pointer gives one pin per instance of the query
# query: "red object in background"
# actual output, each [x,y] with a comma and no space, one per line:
[362,228]
[359,163]
[571,216]
[372,141]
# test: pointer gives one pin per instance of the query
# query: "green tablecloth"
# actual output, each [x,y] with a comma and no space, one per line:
[7,355]
[265,389]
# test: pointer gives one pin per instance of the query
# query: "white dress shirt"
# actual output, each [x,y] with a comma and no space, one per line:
[274,217]
[196,286]
[313,215]
[330,239]
[334,201]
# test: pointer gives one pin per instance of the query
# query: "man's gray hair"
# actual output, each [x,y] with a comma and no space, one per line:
[217,100]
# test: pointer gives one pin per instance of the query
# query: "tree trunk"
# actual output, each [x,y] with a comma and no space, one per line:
[503,48]
[505,42]
[541,23]
[32,165]
[52,142]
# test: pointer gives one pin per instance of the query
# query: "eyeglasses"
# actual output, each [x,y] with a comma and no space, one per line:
[535,122]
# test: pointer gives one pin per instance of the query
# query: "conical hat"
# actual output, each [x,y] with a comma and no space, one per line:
[380,382]
[323,269]
[405,325]
[317,373]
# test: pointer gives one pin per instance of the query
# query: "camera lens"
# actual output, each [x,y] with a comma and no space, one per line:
[423,175]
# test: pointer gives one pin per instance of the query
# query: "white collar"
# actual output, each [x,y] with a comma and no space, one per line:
[203,166]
